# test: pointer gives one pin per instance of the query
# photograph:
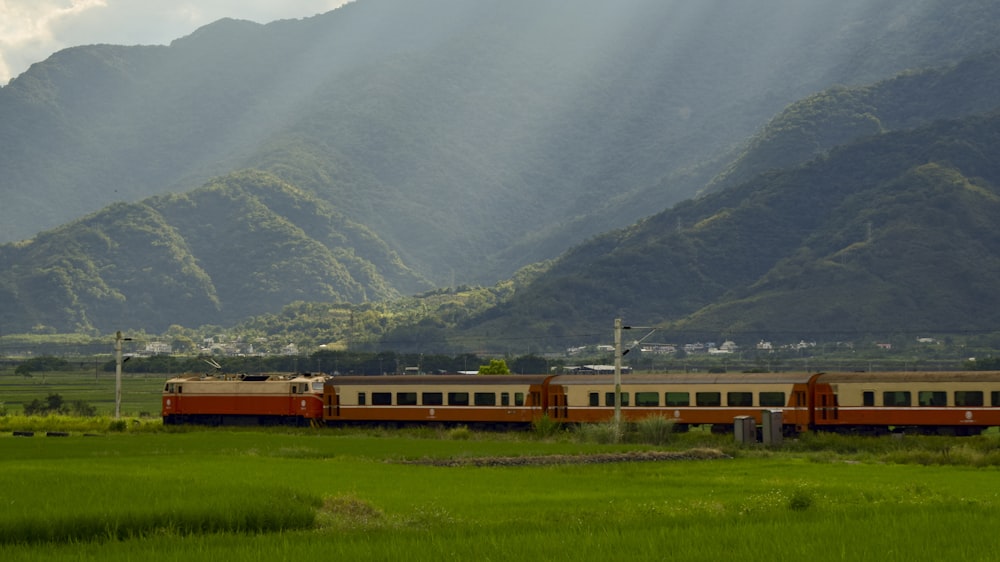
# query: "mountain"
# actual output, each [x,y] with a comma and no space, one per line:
[472,137]
[393,146]
[892,233]
[243,245]
[817,123]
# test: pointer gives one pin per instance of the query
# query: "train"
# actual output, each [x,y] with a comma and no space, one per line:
[951,403]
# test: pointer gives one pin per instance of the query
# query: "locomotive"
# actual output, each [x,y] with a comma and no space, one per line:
[953,403]
[243,400]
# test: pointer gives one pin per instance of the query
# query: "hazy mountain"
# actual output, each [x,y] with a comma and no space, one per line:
[817,123]
[401,145]
[894,233]
[473,137]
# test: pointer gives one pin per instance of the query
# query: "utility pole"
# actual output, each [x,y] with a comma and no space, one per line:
[618,368]
[618,375]
[118,372]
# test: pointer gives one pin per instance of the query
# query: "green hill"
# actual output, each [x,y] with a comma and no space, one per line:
[894,233]
[242,245]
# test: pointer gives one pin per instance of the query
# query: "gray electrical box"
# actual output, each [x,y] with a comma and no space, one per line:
[745,429]
[771,425]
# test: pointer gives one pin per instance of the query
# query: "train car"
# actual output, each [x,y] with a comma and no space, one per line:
[494,401]
[953,403]
[244,399]
[688,399]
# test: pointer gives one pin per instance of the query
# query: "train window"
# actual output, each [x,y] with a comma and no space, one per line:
[595,399]
[609,399]
[519,399]
[968,398]
[485,398]
[458,398]
[406,398]
[708,398]
[318,386]
[647,398]
[932,398]
[361,399]
[897,398]
[995,398]
[505,399]
[868,398]
[678,399]
[180,389]
[771,399]
[432,399]
[295,389]
[739,398]
[381,399]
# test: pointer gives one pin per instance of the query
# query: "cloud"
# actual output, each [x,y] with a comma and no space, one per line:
[26,29]
[31,30]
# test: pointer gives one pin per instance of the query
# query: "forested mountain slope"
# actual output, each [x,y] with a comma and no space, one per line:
[231,249]
[391,146]
[811,126]
[893,233]
[472,137]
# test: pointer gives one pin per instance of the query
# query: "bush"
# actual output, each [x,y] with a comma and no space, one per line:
[81,408]
[459,433]
[545,427]
[655,430]
[801,500]
[603,433]
[54,404]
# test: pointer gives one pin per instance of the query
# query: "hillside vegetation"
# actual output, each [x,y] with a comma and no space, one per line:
[213,256]
[391,148]
[893,233]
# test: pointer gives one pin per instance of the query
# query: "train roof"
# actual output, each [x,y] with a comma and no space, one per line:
[687,378]
[256,377]
[437,380]
[909,376]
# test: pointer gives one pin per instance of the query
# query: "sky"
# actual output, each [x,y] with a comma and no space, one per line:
[31,30]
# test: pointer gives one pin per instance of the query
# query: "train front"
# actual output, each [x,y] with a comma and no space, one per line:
[244,399]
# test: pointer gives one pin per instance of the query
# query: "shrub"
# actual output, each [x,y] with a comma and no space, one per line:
[801,500]
[545,427]
[81,408]
[655,430]
[603,433]
[459,433]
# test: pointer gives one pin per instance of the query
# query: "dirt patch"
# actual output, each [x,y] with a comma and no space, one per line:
[600,458]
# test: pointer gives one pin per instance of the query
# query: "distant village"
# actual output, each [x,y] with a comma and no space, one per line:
[216,346]
[711,348]
[239,348]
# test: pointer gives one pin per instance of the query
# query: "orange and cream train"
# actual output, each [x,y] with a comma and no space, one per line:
[958,403]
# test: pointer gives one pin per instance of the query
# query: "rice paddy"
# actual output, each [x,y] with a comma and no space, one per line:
[334,494]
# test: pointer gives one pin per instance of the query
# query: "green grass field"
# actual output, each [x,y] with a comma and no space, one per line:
[351,495]
[140,392]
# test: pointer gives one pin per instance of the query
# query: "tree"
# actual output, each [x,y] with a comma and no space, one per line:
[496,367]
[532,364]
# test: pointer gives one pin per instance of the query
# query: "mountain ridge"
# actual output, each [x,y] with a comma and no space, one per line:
[489,137]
